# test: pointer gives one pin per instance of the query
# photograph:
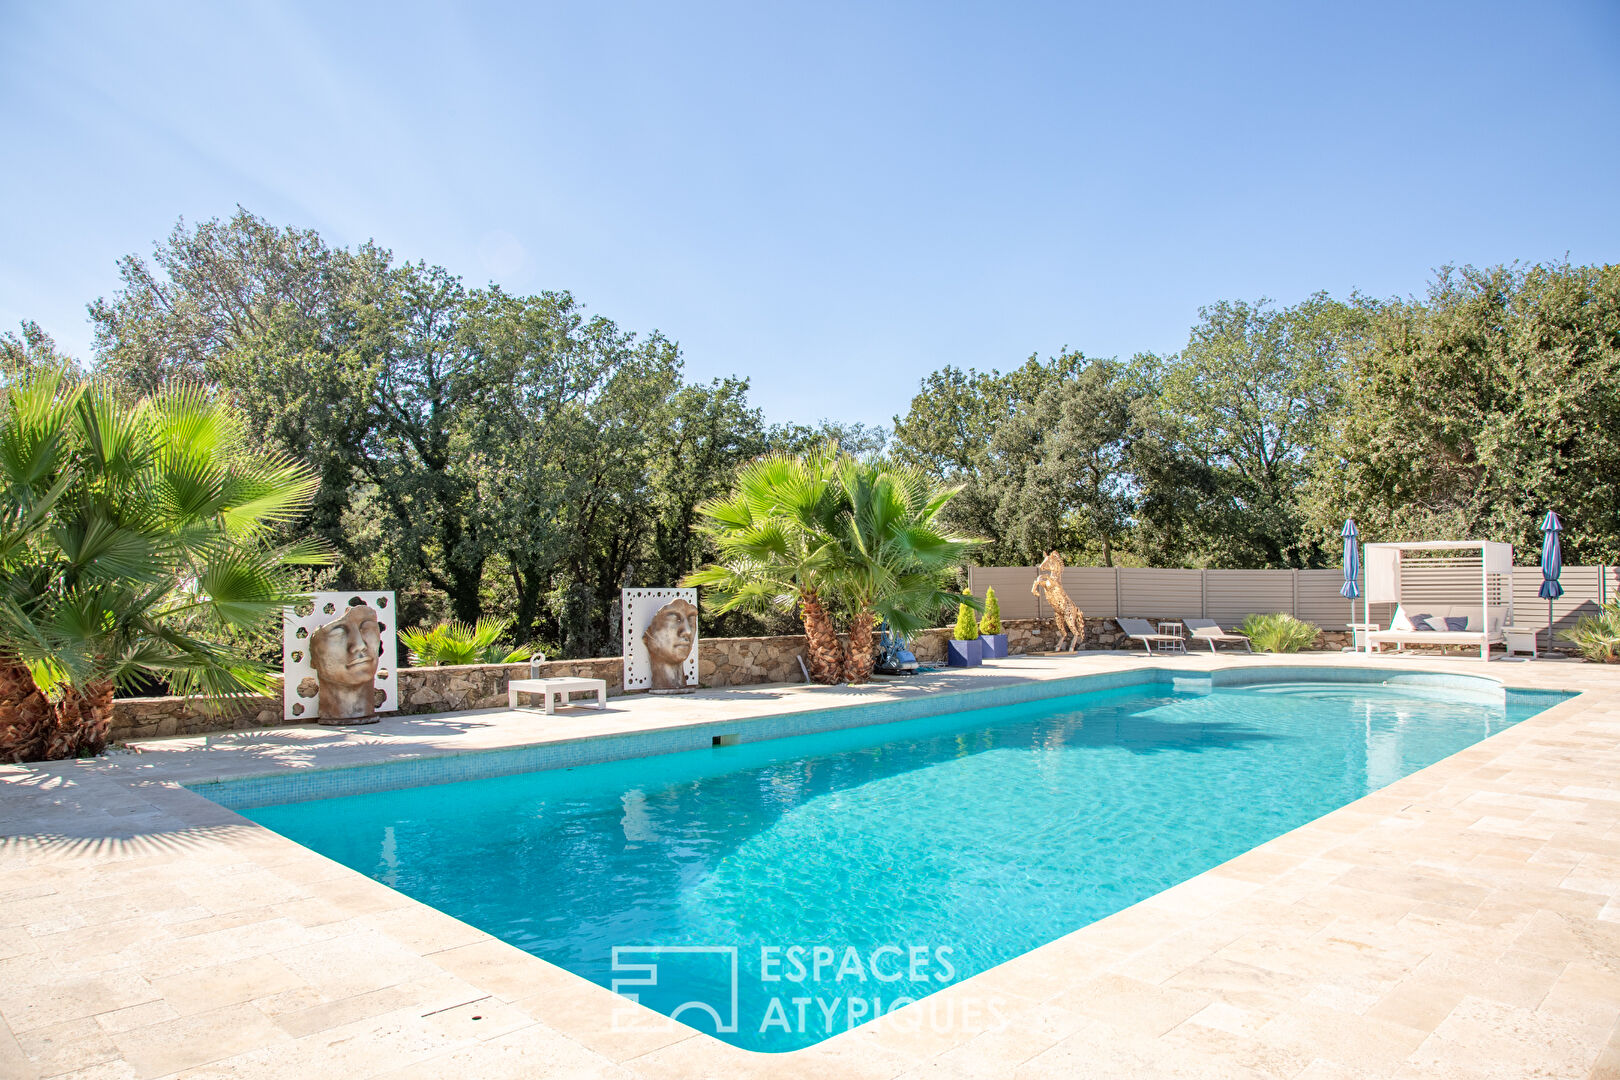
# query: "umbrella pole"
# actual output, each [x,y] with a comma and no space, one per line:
[1549,626]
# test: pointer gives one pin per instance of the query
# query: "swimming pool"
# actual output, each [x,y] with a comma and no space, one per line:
[774,893]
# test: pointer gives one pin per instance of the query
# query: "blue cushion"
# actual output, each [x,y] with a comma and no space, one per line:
[1457,623]
[1419,622]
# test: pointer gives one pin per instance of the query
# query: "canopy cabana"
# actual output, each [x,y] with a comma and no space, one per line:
[1445,592]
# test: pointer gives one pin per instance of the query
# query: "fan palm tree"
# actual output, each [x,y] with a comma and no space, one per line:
[27,719]
[894,560]
[776,538]
[155,559]
[455,642]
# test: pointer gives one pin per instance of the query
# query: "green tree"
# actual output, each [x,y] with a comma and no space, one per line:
[1472,413]
[773,534]
[869,442]
[30,351]
[210,288]
[158,561]
[561,443]
[826,533]
[477,450]
[893,559]
[949,431]
[1063,466]
[1241,407]
[703,435]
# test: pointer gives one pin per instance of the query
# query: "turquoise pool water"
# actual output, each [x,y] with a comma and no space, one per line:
[777,892]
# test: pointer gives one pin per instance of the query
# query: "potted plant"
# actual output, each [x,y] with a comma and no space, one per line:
[965,649]
[990,631]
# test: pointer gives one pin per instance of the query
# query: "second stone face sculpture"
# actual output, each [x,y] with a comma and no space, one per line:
[345,654]
[669,638]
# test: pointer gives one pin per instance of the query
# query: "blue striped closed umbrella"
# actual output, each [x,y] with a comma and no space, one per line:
[1552,564]
[1352,564]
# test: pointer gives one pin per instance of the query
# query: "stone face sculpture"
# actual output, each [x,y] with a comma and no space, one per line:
[669,637]
[1071,621]
[345,654]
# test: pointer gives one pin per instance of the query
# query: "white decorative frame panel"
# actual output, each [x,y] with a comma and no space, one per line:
[296,626]
[638,606]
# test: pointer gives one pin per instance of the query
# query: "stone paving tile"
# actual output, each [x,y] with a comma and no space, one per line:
[1103,1052]
[53,998]
[13,1061]
[188,1041]
[531,1054]
[203,989]
[308,1010]
[1486,1040]
[1131,1004]
[358,1049]
[136,1016]
[1338,1035]
[1462,922]
[107,1070]
[68,1047]
[598,1023]
[1000,1050]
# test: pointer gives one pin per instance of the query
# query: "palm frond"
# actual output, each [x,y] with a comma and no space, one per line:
[129,544]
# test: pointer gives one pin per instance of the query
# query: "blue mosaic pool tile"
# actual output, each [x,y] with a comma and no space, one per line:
[447,768]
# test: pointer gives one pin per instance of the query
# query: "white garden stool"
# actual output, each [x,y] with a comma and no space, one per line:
[555,691]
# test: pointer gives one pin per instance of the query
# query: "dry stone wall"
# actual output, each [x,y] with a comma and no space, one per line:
[721,662]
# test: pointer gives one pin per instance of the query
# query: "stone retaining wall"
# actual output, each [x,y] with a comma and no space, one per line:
[721,662]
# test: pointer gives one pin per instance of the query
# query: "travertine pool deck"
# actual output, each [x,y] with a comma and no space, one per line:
[1462,922]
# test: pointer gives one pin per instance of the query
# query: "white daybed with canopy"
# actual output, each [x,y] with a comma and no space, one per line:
[1454,592]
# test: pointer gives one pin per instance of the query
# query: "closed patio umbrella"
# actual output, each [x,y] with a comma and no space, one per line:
[1352,565]
[1552,564]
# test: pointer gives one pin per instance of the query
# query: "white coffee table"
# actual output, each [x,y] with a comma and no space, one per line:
[556,691]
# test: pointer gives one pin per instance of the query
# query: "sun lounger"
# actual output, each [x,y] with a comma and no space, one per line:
[1209,630]
[1439,624]
[1143,631]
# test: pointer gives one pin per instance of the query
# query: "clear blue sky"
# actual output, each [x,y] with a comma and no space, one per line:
[831,199]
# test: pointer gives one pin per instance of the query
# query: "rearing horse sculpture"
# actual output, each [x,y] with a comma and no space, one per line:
[1071,620]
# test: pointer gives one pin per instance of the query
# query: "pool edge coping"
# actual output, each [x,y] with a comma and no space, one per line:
[962,699]
[1604,702]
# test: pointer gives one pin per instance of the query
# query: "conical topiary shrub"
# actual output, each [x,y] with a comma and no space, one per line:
[990,631]
[967,627]
[965,649]
[991,623]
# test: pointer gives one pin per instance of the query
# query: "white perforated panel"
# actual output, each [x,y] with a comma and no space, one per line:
[298,699]
[639,606]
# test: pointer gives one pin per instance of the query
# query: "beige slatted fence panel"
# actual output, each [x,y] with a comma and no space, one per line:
[1320,602]
[1012,589]
[1583,592]
[1160,594]
[1313,595]
[1092,588]
[1233,595]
